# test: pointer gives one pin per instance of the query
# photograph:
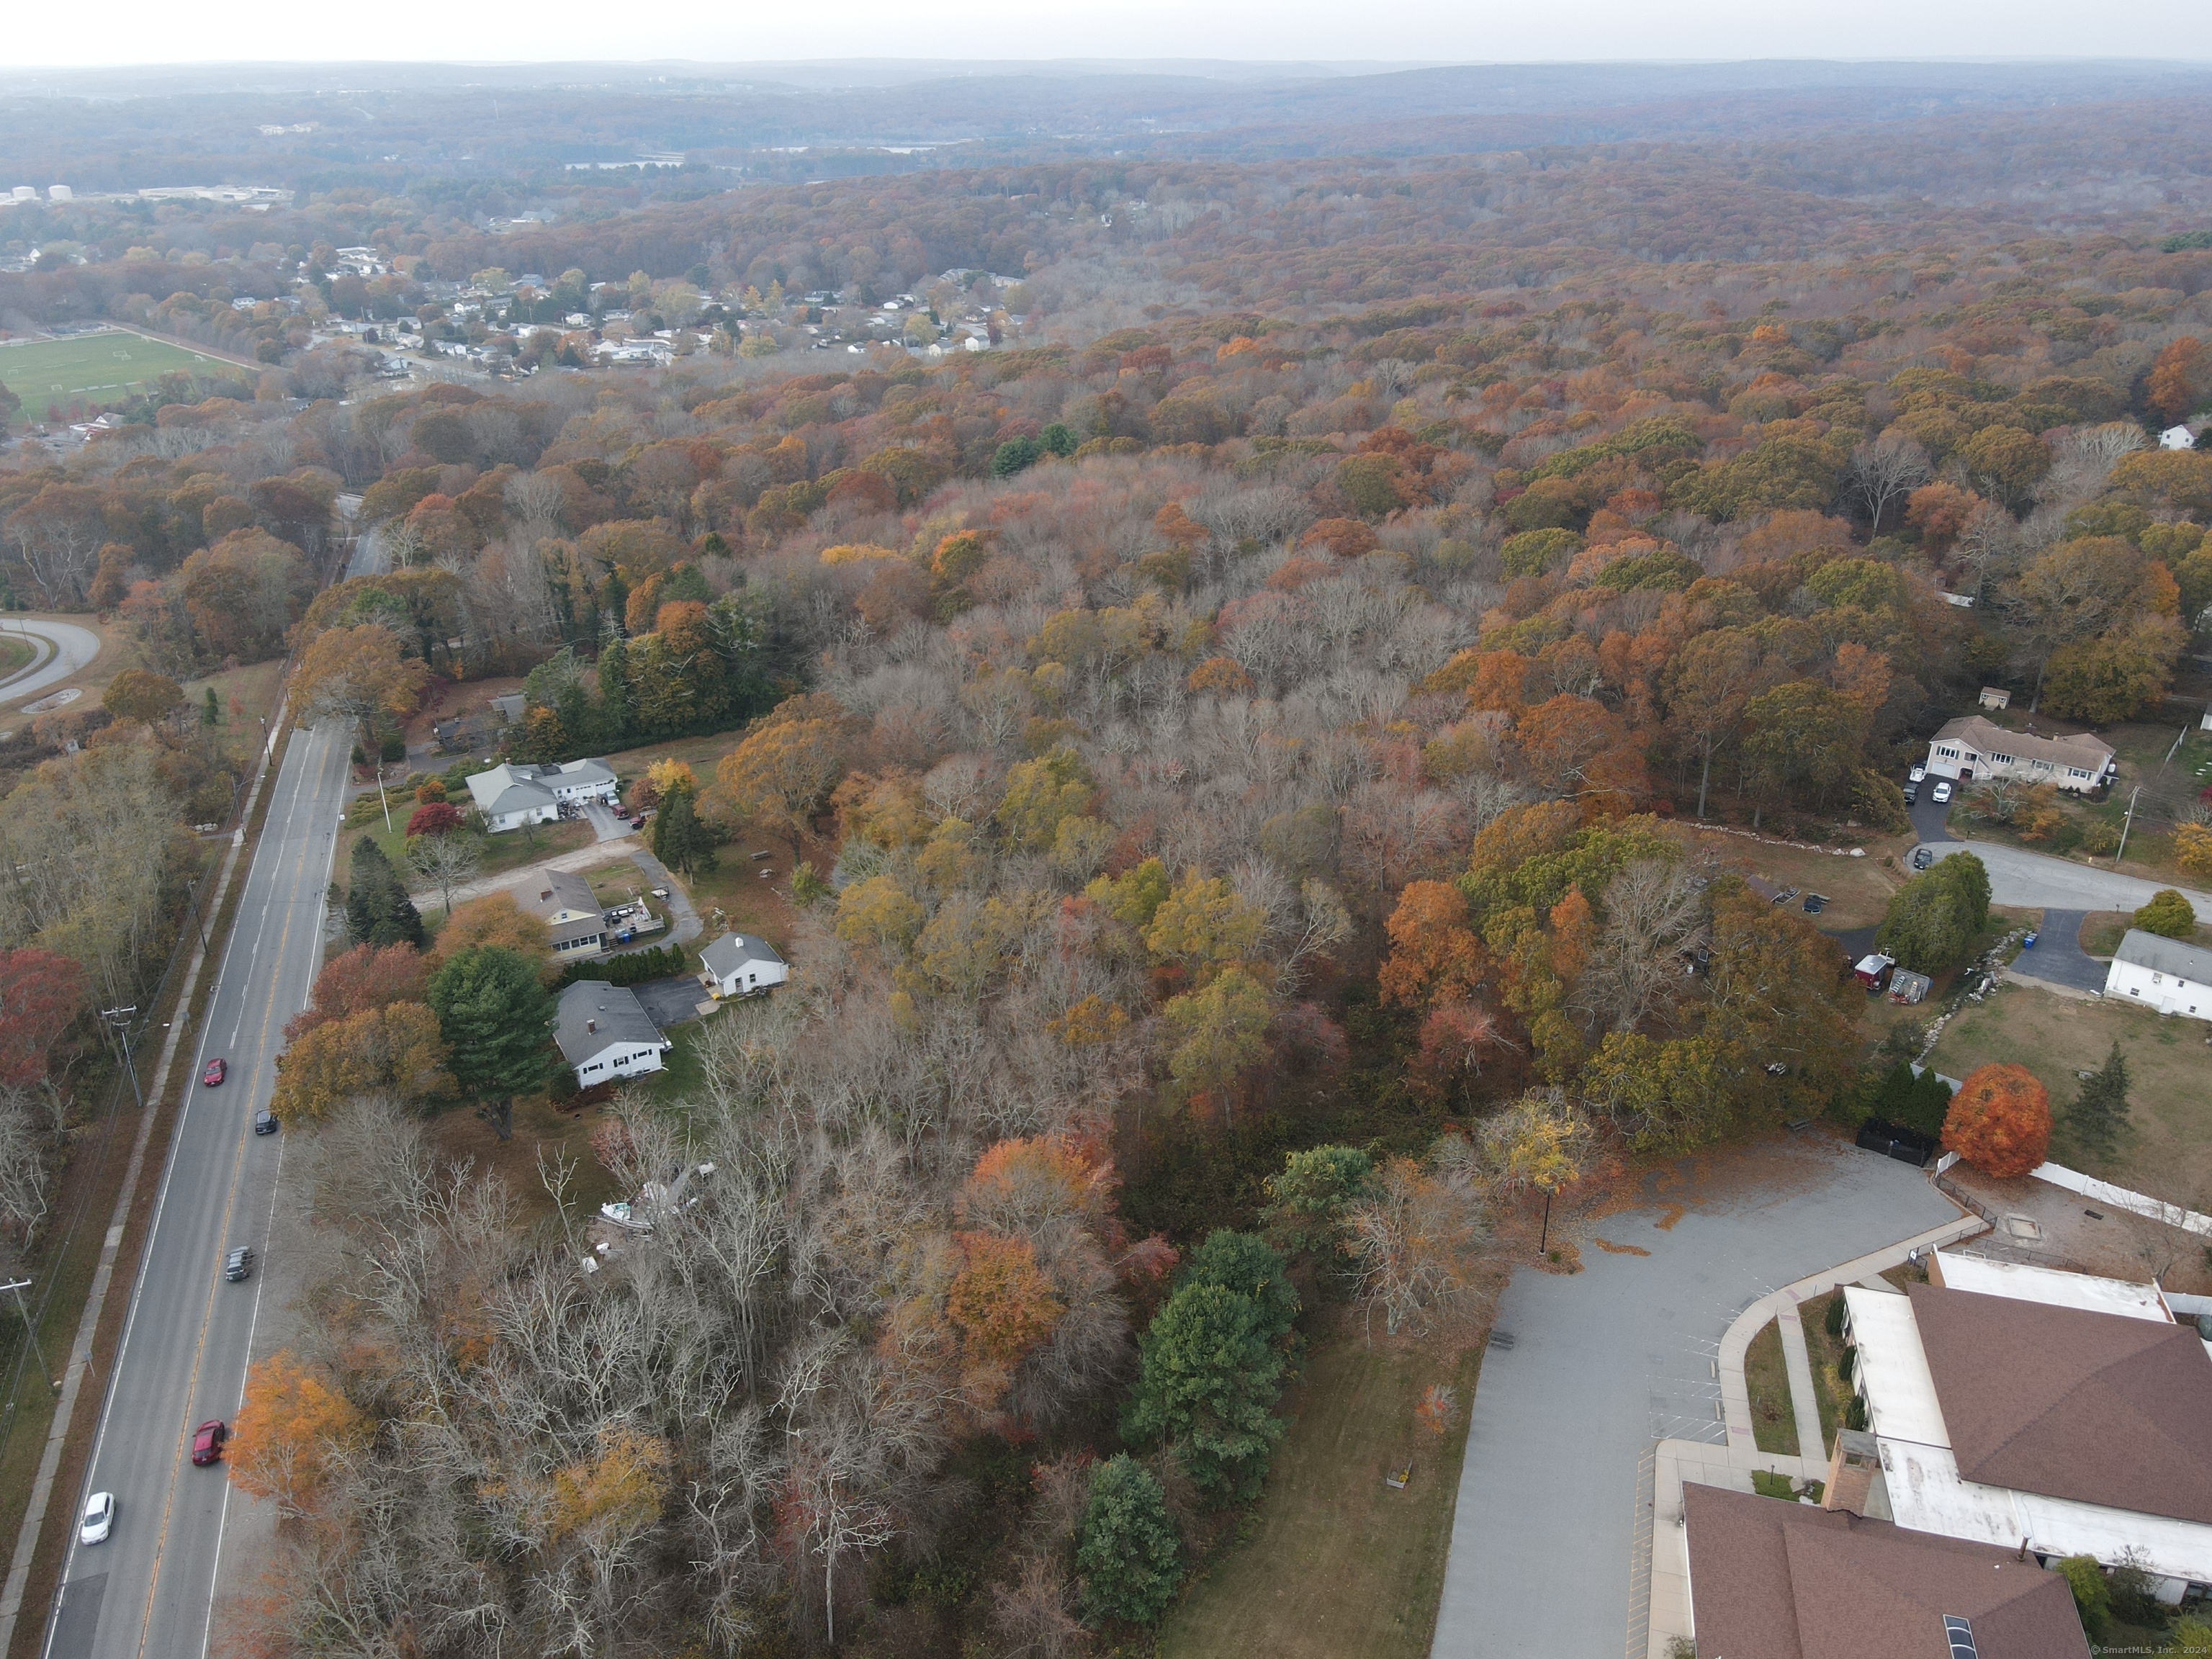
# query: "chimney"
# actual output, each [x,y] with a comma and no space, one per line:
[591,1025]
[1852,1467]
[545,895]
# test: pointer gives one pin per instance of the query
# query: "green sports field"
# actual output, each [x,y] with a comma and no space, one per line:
[97,368]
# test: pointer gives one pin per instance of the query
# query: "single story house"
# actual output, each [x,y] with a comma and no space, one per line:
[2163,973]
[740,964]
[510,796]
[1971,747]
[569,909]
[1772,1580]
[605,1033]
[2022,1408]
[2177,437]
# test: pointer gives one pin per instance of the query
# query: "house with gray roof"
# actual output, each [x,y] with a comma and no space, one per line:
[741,965]
[2162,973]
[570,910]
[510,796]
[1971,748]
[605,1033]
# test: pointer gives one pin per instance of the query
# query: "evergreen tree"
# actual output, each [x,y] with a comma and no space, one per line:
[617,714]
[378,910]
[495,1016]
[1246,1263]
[1935,919]
[680,840]
[210,710]
[1127,1550]
[2100,1111]
[1206,1386]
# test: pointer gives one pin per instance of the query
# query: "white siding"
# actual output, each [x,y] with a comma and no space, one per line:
[2167,993]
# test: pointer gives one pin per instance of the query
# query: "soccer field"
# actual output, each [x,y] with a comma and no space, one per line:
[95,367]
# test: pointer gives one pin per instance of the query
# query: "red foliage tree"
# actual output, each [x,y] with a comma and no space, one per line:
[39,993]
[436,817]
[1999,1120]
[363,979]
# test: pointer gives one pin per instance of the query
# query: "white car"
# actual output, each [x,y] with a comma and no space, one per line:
[1916,775]
[1943,790]
[98,1518]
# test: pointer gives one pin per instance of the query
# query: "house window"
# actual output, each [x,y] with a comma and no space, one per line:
[2158,979]
[2004,760]
[2075,772]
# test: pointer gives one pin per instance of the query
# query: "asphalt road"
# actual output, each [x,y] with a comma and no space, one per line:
[1603,1361]
[149,1589]
[2036,881]
[68,648]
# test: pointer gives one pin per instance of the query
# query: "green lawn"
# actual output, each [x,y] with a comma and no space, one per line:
[2167,1150]
[511,850]
[1766,1375]
[1826,1353]
[1332,1561]
[15,654]
[100,368]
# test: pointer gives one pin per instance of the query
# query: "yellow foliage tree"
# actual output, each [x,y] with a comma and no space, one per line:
[878,911]
[1203,925]
[395,1050]
[495,919]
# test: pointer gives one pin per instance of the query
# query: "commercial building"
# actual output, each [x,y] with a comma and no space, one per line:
[2031,1410]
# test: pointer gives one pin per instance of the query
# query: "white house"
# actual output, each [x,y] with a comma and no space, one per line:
[570,911]
[2026,1408]
[2177,437]
[2163,973]
[740,964]
[511,796]
[604,1031]
[1971,747]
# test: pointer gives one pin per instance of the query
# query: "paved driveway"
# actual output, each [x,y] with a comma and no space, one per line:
[1606,1361]
[2058,956]
[63,648]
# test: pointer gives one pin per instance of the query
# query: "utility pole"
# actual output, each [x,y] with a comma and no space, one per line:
[19,1285]
[379,795]
[2126,824]
[119,1021]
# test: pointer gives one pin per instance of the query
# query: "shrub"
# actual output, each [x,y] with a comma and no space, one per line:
[1934,919]
[2168,914]
[633,969]
[2092,1596]
[1832,1321]
[2000,1121]
[1127,1550]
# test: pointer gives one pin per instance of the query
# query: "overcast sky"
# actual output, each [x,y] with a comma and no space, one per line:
[147,32]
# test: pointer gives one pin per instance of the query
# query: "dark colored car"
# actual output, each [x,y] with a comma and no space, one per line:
[207,1442]
[1922,858]
[216,1071]
[265,1122]
[238,1264]
[1911,793]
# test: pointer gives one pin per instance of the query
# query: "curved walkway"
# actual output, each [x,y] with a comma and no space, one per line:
[62,648]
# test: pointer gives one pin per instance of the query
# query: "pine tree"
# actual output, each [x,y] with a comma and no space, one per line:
[680,840]
[210,710]
[378,910]
[495,1016]
[2100,1111]
[616,716]
[1127,1549]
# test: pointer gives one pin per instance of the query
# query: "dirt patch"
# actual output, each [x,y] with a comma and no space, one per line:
[1857,888]
[1673,1213]
[2080,1236]
[538,1126]
[1612,1248]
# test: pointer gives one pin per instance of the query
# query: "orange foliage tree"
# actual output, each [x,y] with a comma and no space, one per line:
[285,1433]
[1999,1120]
[1434,955]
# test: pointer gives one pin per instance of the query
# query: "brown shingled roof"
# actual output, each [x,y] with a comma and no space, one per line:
[1771,1580]
[2070,1403]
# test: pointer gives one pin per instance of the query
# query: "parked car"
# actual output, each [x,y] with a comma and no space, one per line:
[1943,790]
[217,1070]
[1922,857]
[1911,793]
[1916,775]
[207,1442]
[265,1122]
[98,1518]
[238,1264]
[1815,902]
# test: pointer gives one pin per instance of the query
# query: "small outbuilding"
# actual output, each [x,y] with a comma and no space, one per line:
[741,965]
[1874,971]
[605,1033]
[1995,696]
[2177,437]
[1906,987]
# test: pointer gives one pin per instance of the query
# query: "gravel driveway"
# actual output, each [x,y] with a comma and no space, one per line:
[1605,1361]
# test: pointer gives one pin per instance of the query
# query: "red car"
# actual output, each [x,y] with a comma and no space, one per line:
[207,1442]
[216,1071]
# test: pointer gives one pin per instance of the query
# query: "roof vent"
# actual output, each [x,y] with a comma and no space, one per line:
[1960,1635]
